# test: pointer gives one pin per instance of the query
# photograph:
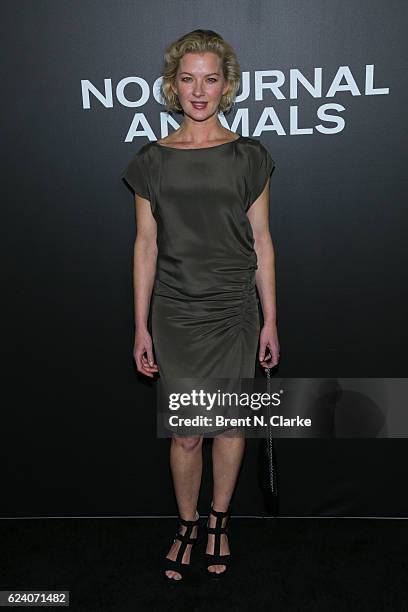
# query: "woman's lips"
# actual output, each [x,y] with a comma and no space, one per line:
[199,105]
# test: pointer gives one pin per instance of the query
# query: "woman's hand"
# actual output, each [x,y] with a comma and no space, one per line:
[143,344]
[269,346]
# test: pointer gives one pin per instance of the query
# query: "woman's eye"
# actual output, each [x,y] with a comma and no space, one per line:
[210,79]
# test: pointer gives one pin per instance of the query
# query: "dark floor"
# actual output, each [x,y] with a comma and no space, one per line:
[300,564]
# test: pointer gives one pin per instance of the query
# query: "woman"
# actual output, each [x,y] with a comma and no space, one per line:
[202,245]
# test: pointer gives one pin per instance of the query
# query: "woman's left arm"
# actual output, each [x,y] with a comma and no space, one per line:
[258,215]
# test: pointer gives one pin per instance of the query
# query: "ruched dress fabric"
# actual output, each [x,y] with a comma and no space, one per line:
[204,306]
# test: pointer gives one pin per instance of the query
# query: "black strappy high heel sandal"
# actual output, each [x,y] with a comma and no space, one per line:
[216,558]
[184,569]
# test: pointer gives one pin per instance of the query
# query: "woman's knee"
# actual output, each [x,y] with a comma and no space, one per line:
[188,443]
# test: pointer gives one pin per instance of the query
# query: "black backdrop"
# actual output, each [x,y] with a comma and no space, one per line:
[78,426]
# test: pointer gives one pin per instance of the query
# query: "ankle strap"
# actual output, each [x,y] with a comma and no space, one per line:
[189,523]
[218,513]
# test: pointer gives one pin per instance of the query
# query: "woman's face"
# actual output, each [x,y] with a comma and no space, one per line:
[200,84]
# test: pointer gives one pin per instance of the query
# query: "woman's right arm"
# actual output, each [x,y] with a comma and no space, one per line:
[144,272]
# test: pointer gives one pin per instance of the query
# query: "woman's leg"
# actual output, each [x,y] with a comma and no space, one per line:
[186,462]
[227,453]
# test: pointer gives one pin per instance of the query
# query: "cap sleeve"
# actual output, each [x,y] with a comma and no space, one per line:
[261,167]
[137,176]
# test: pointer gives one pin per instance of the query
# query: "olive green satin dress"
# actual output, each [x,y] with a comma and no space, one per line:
[204,306]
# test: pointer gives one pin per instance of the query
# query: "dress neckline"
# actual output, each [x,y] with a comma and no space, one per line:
[200,148]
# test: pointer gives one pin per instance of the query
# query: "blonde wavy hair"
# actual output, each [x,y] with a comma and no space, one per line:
[200,41]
